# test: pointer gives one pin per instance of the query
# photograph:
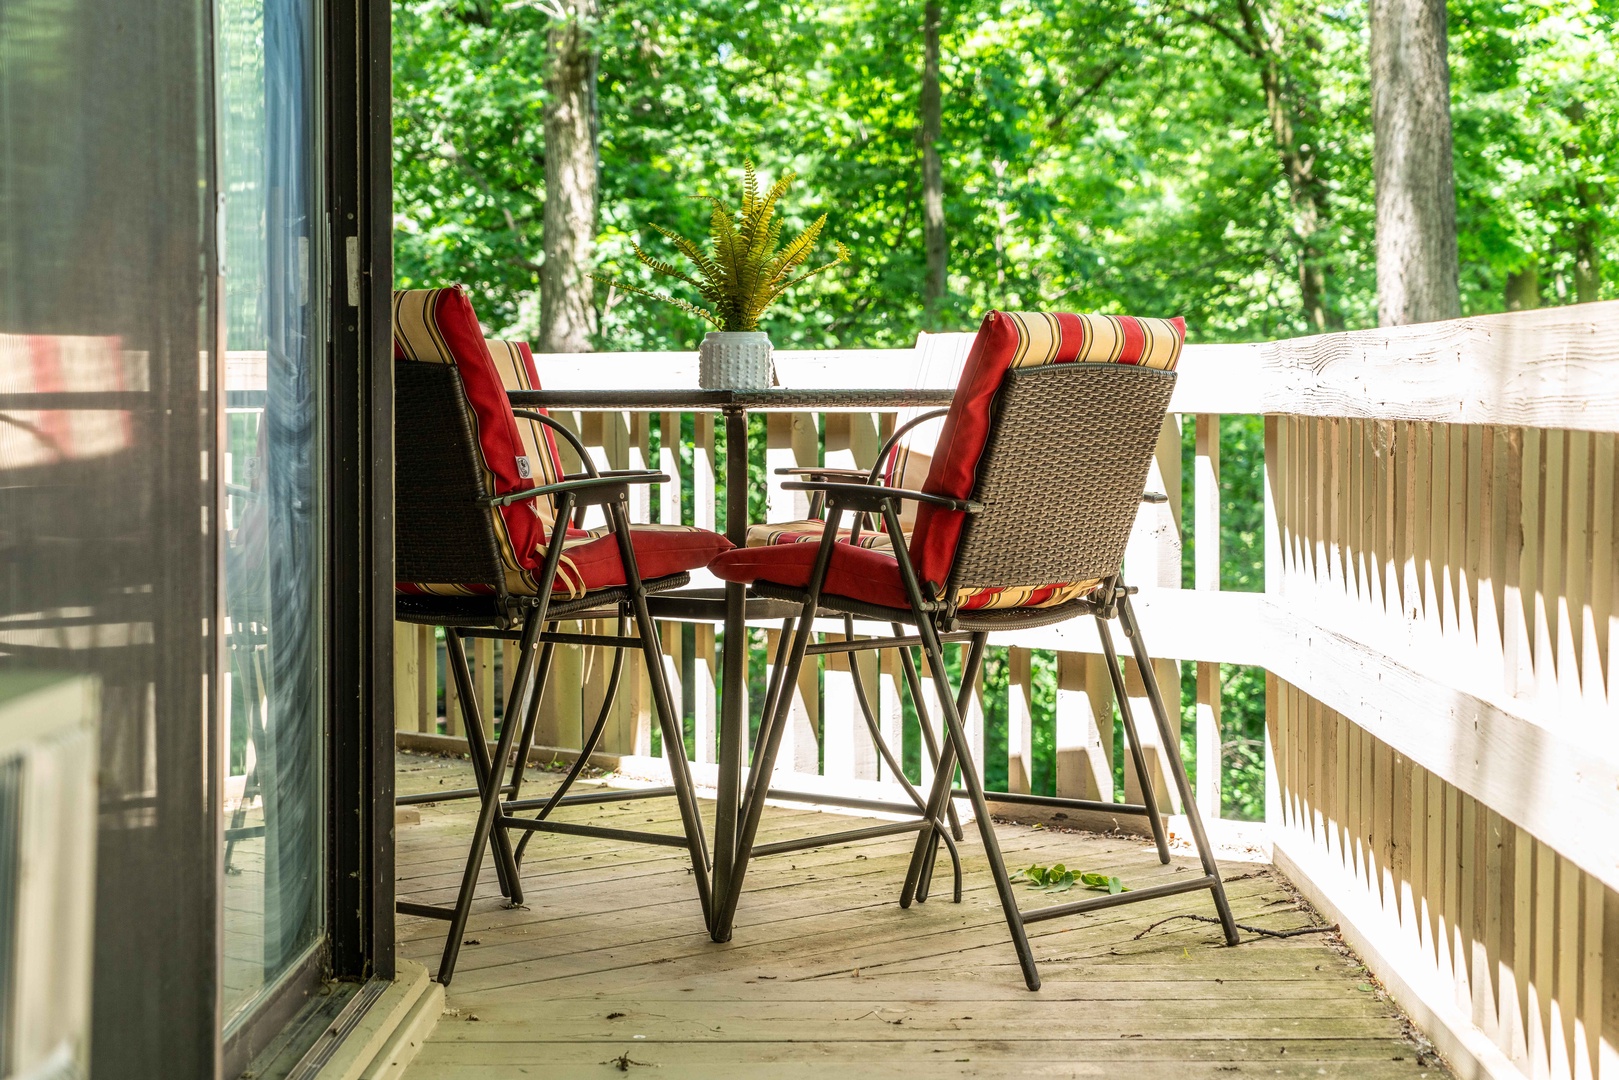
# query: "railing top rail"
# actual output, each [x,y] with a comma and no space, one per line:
[1551,368]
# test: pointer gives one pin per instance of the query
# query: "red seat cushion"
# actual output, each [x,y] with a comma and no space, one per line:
[591,560]
[865,574]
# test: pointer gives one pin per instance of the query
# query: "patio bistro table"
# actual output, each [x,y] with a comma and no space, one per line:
[731,605]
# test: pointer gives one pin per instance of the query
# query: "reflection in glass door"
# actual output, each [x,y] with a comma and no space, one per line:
[274,542]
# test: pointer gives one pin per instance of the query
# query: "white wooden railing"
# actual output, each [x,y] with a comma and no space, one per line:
[1441,595]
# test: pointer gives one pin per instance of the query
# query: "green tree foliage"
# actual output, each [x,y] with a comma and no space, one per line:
[1209,158]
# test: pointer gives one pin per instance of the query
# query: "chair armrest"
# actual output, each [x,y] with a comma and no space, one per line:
[594,489]
[816,473]
[1154,497]
[872,496]
[622,474]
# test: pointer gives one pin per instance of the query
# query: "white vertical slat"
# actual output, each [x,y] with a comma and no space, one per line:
[1019,723]
[1206,533]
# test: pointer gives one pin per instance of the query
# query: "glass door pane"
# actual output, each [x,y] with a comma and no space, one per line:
[275,551]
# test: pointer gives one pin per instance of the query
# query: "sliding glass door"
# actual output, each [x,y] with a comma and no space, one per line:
[274,504]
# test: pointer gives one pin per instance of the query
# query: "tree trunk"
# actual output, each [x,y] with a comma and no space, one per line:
[1587,274]
[1286,65]
[933,236]
[1418,279]
[1523,287]
[567,308]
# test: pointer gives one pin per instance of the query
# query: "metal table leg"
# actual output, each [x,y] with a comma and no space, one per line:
[734,672]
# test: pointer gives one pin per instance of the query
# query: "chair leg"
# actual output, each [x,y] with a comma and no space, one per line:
[478,750]
[889,758]
[1177,767]
[975,793]
[914,682]
[582,760]
[970,673]
[531,717]
[918,876]
[674,749]
[757,789]
[674,738]
[489,804]
[1132,741]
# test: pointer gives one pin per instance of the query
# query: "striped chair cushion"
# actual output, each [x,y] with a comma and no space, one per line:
[808,531]
[1020,339]
[438,326]
[1005,340]
[514,364]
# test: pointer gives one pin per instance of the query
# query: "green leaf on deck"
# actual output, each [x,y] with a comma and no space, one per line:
[1059,879]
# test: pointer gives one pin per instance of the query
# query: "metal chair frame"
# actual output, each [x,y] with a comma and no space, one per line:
[1077,440]
[445,534]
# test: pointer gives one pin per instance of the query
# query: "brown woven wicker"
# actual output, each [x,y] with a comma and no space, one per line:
[1062,474]
[441,532]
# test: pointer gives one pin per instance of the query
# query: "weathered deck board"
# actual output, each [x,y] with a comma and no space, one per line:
[826,975]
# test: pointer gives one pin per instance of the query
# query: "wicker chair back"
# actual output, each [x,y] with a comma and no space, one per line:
[1062,474]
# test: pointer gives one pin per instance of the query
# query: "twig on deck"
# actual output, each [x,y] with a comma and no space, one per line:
[1260,930]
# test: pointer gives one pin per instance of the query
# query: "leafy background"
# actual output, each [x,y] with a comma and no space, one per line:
[1116,155]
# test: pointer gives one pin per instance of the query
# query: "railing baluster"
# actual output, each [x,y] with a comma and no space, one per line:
[483,681]
[426,646]
[452,710]
[1206,552]
[1019,723]
[1084,727]
[705,664]
[406,662]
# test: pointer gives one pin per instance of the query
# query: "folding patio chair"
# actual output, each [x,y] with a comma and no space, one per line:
[1022,522]
[484,551]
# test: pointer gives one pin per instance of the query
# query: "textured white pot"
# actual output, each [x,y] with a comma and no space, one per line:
[734,361]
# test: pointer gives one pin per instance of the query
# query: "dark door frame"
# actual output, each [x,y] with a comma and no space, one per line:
[360,197]
[357,166]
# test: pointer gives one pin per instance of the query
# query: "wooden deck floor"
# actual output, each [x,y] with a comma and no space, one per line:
[608,968]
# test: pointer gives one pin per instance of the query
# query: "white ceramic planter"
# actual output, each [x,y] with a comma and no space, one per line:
[734,361]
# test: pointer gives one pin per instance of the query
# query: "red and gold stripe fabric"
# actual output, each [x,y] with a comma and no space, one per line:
[1020,339]
[809,531]
[540,463]
[438,326]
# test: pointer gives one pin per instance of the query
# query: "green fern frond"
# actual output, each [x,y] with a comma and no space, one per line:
[683,305]
[843,257]
[746,267]
[797,250]
[704,264]
[658,266]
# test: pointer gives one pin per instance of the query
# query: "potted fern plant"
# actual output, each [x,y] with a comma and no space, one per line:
[745,268]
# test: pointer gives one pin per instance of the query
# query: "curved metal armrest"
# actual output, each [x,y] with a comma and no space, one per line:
[597,488]
[824,473]
[657,477]
[573,440]
[873,496]
[893,440]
